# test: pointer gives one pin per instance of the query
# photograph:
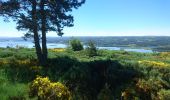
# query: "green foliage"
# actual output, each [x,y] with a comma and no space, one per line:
[91,49]
[148,89]
[138,75]
[22,71]
[38,18]
[18,53]
[164,94]
[6,53]
[9,90]
[75,45]
[105,94]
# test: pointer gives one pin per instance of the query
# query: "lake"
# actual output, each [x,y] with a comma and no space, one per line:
[61,43]
[127,49]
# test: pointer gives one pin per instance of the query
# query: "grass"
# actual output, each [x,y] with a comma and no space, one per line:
[10,89]
[86,77]
[13,90]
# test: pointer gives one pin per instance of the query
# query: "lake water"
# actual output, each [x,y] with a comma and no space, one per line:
[28,44]
[13,42]
[128,49]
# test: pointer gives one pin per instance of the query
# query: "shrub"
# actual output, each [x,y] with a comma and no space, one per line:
[6,53]
[17,98]
[44,89]
[76,45]
[164,95]
[20,70]
[105,94]
[148,88]
[153,64]
[91,49]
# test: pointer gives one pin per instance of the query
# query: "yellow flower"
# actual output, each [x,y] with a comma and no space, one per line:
[153,63]
[45,89]
[57,49]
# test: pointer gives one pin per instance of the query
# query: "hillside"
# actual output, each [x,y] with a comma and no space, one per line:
[107,76]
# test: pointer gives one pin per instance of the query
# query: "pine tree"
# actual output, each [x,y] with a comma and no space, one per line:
[38,17]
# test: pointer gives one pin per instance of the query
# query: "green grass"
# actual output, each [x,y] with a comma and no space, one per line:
[9,89]
[13,90]
[85,76]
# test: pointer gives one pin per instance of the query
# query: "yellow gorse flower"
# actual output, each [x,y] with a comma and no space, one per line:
[153,63]
[18,62]
[165,54]
[21,62]
[57,50]
[36,68]
[47,90]
[3,62]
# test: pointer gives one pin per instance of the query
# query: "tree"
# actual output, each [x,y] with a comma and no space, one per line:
[76,45]
[91,49]
[38,17]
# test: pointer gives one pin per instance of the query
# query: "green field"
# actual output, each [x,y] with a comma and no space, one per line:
[109,75]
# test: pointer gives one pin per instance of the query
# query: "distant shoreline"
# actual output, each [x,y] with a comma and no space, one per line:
[155,43]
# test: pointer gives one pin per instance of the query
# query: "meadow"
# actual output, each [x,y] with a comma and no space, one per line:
[107,75]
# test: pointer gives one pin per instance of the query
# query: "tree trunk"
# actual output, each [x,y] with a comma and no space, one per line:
[35,31]
[43,30]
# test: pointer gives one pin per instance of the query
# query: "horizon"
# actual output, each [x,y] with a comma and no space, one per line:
[81,36]
[112,18]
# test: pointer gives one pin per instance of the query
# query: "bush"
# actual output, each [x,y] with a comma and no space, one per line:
[6,53]
[164,95]
[76,45]
[105,94]
[44,89]
[148,89]
[20,70]
[91,49]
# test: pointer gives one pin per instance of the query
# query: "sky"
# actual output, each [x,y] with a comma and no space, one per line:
[112,18]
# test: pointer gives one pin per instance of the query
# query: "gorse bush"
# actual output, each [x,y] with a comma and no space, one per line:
[91,49]
[44,89]
[75,45]
[111,75]
[164,95]
[153,64]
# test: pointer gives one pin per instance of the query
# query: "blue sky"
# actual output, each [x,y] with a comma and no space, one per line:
[113,18]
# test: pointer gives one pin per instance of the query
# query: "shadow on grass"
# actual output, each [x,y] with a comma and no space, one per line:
[84,78]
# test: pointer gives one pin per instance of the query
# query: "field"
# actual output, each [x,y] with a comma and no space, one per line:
[109,75]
